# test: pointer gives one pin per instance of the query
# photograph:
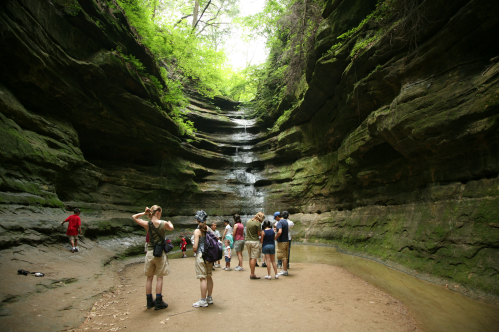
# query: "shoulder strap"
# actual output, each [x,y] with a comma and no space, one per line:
[151,225]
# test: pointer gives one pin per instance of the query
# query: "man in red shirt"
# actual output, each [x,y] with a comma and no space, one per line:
[74,228]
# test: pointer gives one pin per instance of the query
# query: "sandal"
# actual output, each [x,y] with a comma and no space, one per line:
[254,277]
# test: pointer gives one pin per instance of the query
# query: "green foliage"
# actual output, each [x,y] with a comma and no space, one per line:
[70,7]
[289,26]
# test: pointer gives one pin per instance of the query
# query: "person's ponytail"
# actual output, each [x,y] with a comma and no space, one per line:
[153,210]
[203,227]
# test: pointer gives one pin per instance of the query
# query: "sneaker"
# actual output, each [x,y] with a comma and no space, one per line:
[209,300]
[268,277]
[264,265]
[200,303]
[279,266]
[283,273]
[277,276]
[159,303]
[217,265]
[237,268]
[72,249]
[76,249]
[257,265]
[228,269]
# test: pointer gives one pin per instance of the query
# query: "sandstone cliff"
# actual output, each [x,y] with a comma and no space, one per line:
[394,148]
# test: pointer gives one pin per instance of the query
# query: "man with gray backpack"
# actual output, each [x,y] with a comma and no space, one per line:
[208,250]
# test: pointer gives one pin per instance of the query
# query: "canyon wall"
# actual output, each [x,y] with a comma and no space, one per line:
[392,148]
[79,128]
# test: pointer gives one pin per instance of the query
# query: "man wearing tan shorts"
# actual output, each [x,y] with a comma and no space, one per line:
[283,242]
[253,229]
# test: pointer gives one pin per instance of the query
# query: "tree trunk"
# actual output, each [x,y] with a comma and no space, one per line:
[195,13]
[154,11]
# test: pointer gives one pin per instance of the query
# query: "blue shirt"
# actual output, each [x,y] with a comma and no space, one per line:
[268,238]
[283,224]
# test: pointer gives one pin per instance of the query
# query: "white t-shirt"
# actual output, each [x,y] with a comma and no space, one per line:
[217,233]
[290,225]
[229,230]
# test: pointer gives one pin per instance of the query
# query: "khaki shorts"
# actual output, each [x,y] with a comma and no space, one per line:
[203,269]
[73,237]
[282,250]
[239,245]
[156,266]
[254,249]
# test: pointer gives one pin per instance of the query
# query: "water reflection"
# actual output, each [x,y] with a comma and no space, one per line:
[437,308]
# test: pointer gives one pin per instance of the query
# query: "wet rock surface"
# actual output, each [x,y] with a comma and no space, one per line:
[392,152]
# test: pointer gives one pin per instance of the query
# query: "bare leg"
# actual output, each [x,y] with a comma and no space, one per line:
[267,259]
[284,264]
[252,264]
[240,258]
[204,287]
[272,260]
[149,285]
[159,285]
[76,242]
[210,285]
[72,243]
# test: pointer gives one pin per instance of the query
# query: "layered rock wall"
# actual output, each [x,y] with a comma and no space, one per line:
[394,149]
[79,128]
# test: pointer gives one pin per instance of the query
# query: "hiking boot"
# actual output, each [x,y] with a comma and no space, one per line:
[209,299]
[150,302]
[159,303]
[200,303]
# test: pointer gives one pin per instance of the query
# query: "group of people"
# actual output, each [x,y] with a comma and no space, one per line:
[259,237]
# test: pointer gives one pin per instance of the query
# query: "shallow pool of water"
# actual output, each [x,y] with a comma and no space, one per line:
[434,306]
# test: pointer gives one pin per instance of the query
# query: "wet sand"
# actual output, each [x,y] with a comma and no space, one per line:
[313,297]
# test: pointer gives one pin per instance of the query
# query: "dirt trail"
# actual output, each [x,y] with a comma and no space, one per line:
[313,297]
[72,283]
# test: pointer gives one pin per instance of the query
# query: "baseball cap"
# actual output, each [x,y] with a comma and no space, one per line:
[277,214]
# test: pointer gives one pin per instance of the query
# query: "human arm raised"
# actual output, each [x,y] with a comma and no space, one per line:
[143,223]
[168,226]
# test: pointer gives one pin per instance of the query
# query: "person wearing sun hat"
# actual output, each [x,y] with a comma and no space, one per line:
[203,269]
